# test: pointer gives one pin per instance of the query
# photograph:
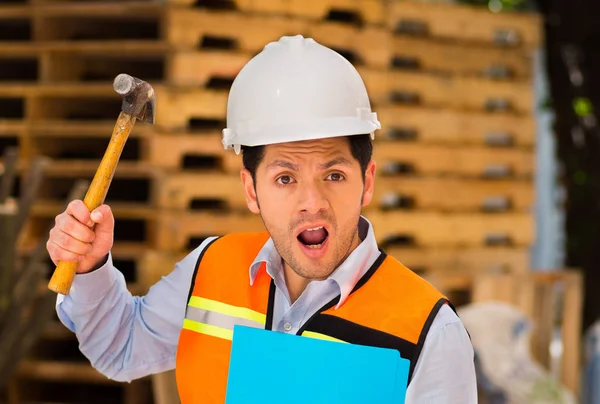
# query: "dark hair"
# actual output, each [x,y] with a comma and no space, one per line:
[361,148]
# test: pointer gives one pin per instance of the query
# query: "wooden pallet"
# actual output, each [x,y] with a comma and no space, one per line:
[177,231]
[197,191]
[464,23]
[197,68]
[188,29]
[449,57]
[446,126]
[169,151]
[447,92]
[469,24]
[176,106]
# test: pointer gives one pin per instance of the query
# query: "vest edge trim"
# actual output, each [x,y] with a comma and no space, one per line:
[424,331]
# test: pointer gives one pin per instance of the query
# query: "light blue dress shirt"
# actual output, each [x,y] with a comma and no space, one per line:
[127,337]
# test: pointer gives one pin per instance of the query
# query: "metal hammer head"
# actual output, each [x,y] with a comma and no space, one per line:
[138,97]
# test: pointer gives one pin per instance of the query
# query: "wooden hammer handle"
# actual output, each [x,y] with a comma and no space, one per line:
[65,271]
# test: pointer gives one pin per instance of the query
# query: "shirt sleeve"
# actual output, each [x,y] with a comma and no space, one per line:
[126,337]
[445,371]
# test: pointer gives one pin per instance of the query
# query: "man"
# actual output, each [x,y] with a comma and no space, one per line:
[301,117]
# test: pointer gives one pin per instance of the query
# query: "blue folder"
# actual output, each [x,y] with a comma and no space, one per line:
[271,367]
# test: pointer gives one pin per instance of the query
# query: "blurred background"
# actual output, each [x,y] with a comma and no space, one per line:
[489,166]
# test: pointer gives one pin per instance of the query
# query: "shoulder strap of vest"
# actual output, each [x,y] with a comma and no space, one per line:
[193,282]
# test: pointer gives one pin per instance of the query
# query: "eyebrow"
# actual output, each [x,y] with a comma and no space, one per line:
[283,164]
[295,167]
[335,162]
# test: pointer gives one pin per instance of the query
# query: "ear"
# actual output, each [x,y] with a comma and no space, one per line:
[369,183]
[249,191]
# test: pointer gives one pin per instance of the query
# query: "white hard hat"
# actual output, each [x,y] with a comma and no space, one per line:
[296,89]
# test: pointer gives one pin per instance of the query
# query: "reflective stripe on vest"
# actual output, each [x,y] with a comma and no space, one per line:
[217,319]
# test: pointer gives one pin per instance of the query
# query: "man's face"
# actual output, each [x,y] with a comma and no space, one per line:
[309,195]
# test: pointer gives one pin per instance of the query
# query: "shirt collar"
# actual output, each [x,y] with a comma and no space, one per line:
[345,276]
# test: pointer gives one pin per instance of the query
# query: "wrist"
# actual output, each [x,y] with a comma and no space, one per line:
[87,267]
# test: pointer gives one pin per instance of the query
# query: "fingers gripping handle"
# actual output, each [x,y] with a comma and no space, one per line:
[63,275]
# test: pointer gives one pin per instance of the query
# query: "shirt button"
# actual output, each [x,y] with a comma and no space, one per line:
[287,326]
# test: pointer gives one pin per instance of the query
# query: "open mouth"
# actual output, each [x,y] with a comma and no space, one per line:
[313,238]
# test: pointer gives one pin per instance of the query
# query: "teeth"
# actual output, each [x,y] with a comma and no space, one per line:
[316,228]
[314,246]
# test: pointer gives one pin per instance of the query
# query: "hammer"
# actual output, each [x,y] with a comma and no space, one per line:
[138,104]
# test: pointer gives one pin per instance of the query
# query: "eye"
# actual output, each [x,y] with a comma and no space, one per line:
[285,180]
[335,177]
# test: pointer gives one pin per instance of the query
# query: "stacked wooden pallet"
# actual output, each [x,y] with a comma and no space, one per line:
[57,62]
[456,155]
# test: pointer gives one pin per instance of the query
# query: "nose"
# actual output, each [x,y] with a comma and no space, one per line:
[313,198]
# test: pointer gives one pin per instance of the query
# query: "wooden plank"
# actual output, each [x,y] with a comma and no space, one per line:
[371,11]
[465,23]
[429,90]
[197,68]
[59,89]
[76,169]
[427,229]
[168,151]
[177,191]
[15,11]
[123,210]
[97,8]
[117,47]
[11,127]
[430,125]
[175,107]
[571,326]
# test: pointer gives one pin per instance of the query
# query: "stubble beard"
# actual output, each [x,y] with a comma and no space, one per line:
[315,270]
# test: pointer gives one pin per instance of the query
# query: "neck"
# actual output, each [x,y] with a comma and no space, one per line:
[296,284]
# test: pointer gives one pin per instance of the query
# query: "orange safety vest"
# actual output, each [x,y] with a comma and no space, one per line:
[390,307]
